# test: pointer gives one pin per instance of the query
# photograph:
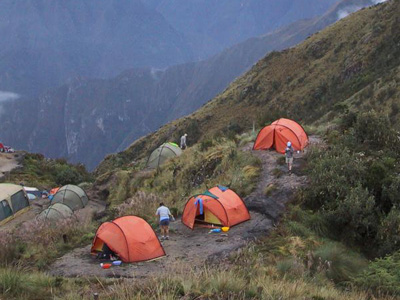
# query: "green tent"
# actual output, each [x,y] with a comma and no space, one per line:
[71,195]
[13,201]
[56,212]
[162,153]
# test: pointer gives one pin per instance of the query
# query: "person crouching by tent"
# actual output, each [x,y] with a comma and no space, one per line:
[107,253]
[183,141]
[164,214]
[289,151]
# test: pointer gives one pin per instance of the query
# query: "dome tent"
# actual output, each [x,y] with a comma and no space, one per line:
[129,237]
[56,212]
[218,206]
[279,133]
[13,201]
[163,153]
[71,195]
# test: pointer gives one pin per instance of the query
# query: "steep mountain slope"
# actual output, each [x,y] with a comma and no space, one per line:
[356,61]
[45,42]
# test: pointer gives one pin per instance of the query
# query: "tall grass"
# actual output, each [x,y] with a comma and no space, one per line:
[23,284]
[198,168]
[37,244]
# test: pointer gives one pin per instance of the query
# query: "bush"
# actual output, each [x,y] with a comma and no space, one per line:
[375,131]
[65,174]
[354,182]
[338,263]
[354,218]
[382,275]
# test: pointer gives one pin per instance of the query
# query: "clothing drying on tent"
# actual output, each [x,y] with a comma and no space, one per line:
[13,201]
[162,153]
[33,191]
[218,206]
[279,133]
[53,191]
[131,238]
[71,195]
[55,212]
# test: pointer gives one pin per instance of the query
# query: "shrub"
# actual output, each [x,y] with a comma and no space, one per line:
[382,275]
[205,144]
[354,217]
[10,248]
[375,131]
[338,263]
[65,174]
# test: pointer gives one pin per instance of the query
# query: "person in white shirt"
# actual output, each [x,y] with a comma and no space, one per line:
[183,141]
[163,214]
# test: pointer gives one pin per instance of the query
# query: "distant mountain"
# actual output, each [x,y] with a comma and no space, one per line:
[210,26]
[45,42]
[86,119]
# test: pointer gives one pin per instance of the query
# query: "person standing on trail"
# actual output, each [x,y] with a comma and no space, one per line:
[289,151]
[183,141]
[163,213]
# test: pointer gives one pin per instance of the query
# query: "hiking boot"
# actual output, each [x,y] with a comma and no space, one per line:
[162,238]
[167,237]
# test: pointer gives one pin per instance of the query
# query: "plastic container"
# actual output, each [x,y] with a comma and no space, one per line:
[117,263]
[225,229]
[105,266]
[216,230]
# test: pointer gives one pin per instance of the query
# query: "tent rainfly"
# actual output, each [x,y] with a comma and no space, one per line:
[55,212]
[279,133]
[162,154]
[219,206]
[129,237]
[13,201]
[71,195]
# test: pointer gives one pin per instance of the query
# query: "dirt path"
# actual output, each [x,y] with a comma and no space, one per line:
[187,248]
[8,162]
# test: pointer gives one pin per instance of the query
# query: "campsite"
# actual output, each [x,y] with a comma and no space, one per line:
[284,184]
[190,248]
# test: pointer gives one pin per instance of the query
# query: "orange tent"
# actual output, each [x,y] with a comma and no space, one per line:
[130,237]
[279,133]
[218,206]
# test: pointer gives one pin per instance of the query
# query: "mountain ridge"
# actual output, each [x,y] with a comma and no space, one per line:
[326,70]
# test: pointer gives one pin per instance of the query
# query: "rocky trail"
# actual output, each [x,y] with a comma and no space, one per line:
[187,248]
[9,162]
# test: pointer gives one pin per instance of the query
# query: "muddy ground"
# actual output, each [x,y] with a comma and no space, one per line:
[187,248]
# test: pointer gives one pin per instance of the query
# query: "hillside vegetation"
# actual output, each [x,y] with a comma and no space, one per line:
[353,64]
[44,173]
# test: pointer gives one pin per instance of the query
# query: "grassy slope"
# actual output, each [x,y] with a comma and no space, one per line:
[305,83]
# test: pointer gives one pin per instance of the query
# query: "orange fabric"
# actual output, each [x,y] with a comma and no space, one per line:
[131,238]
[54,191]
[229,208]
[279,133]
